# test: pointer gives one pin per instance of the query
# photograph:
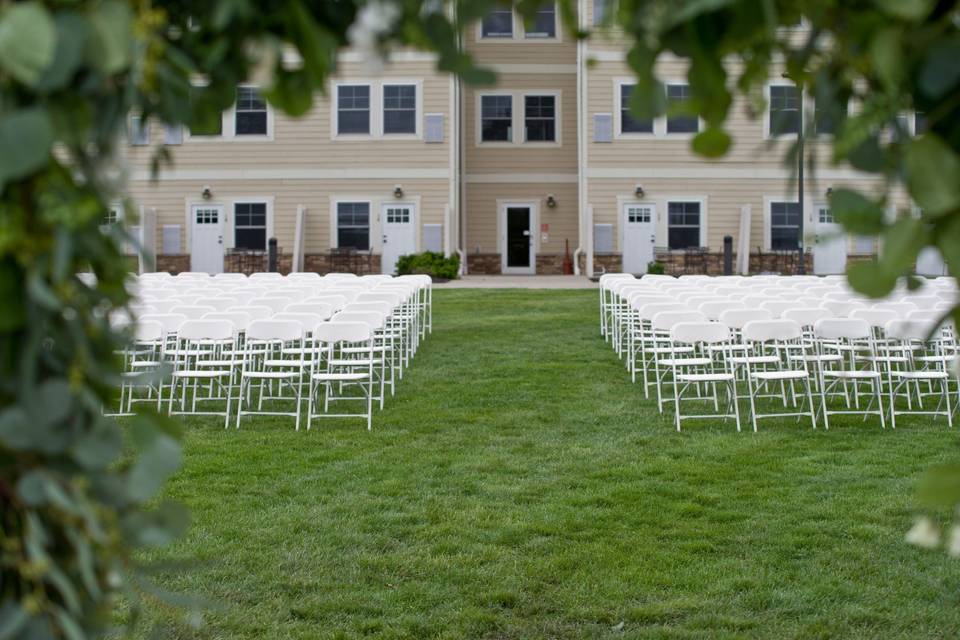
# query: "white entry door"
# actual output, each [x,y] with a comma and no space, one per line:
[930,263]
[206,238]
[399,235]
[639,236]
[830,249]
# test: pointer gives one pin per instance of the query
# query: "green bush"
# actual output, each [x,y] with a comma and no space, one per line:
[656,268]
[430,263]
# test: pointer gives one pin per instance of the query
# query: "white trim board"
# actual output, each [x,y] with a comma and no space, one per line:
[711,173]
[520,178]
[296,173]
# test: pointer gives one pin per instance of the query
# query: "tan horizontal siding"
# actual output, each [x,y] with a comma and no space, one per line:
[170,202]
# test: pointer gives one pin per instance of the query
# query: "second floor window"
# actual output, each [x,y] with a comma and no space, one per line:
[250,225]
[139,131]
[353,225]
[785,111]
[399,108]
[540,123]
[498,23]
[628,123]
[678,95]
[496,118]
[251,113]
[785,225]
[683,224]
[353,109]
[544,22]
[826,119]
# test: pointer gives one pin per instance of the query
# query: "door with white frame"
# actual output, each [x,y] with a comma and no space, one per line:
[517,225]
[398,222]
[830,247]
[206,238]
[639,236]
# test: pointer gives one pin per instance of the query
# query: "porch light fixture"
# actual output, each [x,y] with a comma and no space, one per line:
[638,192]
[829,191]
[206,192]
[398,191]
[551,201]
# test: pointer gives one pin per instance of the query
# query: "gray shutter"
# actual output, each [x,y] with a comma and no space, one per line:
[433,237]
[603,238]
[170,242]
[602,127]
[433,127]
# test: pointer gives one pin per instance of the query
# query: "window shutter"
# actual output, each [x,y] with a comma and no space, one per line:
[603,238]
[433,128]
[433,237]
[170,241]
[602,127]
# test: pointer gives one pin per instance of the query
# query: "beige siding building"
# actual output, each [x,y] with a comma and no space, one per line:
[512,177]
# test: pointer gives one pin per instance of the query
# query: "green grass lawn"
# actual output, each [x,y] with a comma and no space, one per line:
[519,486]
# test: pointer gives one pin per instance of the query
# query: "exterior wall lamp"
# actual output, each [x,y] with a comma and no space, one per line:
[551,201]
[638,192]
[398,191]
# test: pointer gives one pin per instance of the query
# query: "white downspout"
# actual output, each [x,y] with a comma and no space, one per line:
[581,141]
[456,158]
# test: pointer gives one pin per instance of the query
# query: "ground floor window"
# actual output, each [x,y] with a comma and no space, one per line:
[784,225]
[683,225]
[353,225]
[250,225]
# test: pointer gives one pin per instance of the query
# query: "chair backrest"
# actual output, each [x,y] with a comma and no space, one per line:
[924,315]
[256,312]
[148,331]
[266,276]
[240,319]
[842,308]
[391,298]
[374,319]
[221,303]
[777,307]
[842,329]
[665,320]
[340,276]
[206,330]
[737,318]
[900,329]
[307,320]
[335,301]
[169,322]
[277,303]
[380,307]
[770,330]
[275,329]
[806,316]
[229,277]
[712,310]
[305,276]
[922,301]
[648,311]
[376,278]
[901,309]
[876,318]
[696,332]
[334,331]
[193,312]
[325,311]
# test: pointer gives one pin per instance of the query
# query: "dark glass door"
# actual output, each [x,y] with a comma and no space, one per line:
[518,236]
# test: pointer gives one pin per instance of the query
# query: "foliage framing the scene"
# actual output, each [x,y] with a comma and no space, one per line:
[72,495]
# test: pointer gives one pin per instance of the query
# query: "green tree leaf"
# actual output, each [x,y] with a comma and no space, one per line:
[159,456]
[25,140]
[27,41]
[71,31]
[902,242]
[940,72]
[856,213]
[712,142]
[870,278]
[933,175]
[906,9]
[111,45]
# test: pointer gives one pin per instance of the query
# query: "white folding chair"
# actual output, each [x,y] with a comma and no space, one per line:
[273,353]
[333,380]
[927,363]
[783,341]
[848,375]
[692,365]
[200,342]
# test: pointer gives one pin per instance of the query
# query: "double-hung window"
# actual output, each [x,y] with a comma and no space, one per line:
[353,109]
[601,9]
[251,113]
[540,118]
[785,225]
[250,225]
[678,118]
[628,123]
[399,108]
[785,110]
[683,225]
[353,225]
[496,118]
[498,23]
[139,131]
[544,23]
[827,117]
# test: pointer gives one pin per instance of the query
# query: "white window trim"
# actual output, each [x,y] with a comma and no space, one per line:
[557,118]
[767,135]
[520,32]
[664,117]
[375,203]
[623,203]
[375,113]
[417,83]
[229,226]
[120,209]
[502,206]
[516,122]
[663,221]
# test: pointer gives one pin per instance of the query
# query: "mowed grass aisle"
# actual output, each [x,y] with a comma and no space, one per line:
[518,486]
